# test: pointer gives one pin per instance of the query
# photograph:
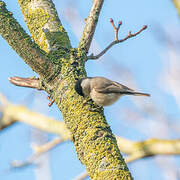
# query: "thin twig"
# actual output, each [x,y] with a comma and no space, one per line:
[116,41]
[38,151]
[31,82]
[116,29]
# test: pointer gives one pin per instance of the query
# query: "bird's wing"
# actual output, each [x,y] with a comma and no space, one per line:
[113,87]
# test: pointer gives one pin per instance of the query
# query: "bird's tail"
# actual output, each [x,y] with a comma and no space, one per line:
[136,93]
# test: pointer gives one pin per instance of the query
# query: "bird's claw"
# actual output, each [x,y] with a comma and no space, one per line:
[92,107]
[95,109]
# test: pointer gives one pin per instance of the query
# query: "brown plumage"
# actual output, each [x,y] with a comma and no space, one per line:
[103,91]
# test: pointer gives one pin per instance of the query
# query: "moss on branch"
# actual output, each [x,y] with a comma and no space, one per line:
[94,141]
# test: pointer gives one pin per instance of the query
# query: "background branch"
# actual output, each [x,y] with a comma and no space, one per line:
[38,151]
[133,150]
[15,113]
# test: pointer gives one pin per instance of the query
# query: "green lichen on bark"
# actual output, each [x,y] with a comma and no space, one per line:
[41,17]
[21,42]
[95,144]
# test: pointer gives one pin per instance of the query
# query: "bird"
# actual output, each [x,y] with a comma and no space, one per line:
[102,91]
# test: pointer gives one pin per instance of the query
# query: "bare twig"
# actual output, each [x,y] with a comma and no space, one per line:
[116,41]
[116,29]
[38,151]
[91,23]
[31,82]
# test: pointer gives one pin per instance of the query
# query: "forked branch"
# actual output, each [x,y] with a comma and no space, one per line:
[116,40]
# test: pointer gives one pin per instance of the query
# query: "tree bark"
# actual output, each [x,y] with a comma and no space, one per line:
[59,66]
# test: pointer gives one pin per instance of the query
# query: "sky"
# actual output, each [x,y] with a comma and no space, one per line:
[143,63]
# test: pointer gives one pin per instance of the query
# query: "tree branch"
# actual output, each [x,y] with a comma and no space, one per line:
[138,150]
[91,23]
[15,113]
[5,121]
[90,132]
[149,147]
[30,82]
[116,41]
[21,42]
[134,150]
[45,26]
[38,151]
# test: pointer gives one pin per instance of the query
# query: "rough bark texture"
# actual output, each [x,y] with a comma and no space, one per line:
[95,144]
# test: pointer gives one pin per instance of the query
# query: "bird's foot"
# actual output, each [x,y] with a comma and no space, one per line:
[92,106]
[98,109]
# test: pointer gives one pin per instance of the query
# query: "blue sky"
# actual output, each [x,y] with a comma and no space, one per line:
[138,63]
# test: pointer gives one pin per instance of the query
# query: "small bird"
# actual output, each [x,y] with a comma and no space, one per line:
[103,91]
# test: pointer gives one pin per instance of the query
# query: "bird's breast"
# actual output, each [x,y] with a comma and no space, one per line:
[104,99]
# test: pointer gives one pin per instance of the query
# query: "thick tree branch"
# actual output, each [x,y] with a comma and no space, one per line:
[139,150]
[91,23]
[21,42]
[116,41]
[45,26]
[90,131]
